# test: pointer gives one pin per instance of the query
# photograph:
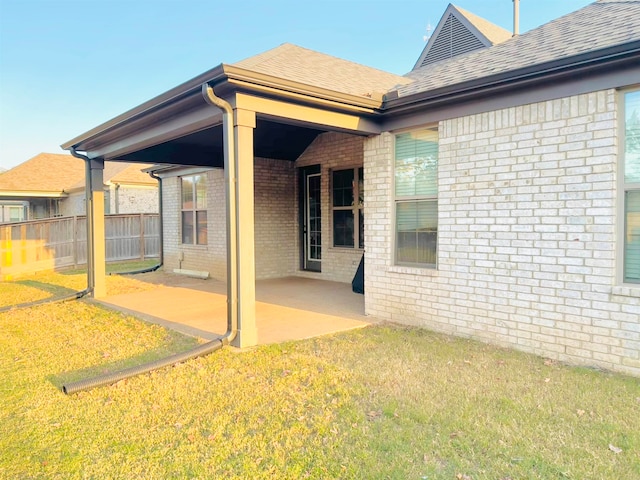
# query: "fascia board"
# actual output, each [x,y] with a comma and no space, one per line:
[288,88]
[625,56]
[170,97]
[33,193]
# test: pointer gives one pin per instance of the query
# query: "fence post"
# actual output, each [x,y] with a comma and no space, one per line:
[75,241]
[142,246]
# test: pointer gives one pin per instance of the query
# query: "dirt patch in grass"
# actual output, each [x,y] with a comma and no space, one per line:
[381,402]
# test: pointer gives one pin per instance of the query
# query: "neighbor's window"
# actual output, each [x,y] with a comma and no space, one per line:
[416,197]
[632,187]
[348,203]
[194,209]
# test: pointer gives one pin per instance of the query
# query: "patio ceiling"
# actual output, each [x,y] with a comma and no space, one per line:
[272,139]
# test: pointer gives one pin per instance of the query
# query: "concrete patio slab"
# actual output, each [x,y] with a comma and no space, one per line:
[291,308]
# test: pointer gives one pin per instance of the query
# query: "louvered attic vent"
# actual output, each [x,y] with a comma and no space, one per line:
[453,39]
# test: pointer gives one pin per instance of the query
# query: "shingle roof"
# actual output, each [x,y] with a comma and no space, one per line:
[602,24]
[123,172]
[48,172]
[52,172]
[320,70]
[494,33]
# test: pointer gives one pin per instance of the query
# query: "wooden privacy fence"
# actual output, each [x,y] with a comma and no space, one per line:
[28,247]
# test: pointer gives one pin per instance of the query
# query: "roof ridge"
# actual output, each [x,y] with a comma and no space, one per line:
[268,54]
[310,67]
[597,26]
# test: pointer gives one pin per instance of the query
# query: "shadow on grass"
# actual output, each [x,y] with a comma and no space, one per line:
[53,289]
[57,294]
[117,267]
[178,344]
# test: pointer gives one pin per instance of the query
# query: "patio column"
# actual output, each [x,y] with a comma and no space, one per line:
[244,122]
[95,222]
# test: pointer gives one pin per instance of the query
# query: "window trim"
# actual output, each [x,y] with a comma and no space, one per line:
[395,264]
[622,188]
[354,209]
[193,210]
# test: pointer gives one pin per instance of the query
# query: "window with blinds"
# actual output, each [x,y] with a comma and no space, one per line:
[632,187]
[194,209]
[416,197]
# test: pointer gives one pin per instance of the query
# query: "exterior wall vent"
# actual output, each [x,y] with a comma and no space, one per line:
[459,32]
[452,40]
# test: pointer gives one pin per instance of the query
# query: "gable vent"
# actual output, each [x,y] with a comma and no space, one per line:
[453,39]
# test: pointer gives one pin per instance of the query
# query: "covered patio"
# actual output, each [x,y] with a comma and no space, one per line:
[271,106]
[291,308]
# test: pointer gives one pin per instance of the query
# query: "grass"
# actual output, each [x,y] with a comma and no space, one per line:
[382,402]
[30,288]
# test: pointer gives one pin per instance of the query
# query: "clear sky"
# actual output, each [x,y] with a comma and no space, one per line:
[68,65]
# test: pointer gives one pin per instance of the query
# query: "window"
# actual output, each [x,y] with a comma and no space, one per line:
[416,197]
[16,214]
[631,180]
[348,203]
[194,209]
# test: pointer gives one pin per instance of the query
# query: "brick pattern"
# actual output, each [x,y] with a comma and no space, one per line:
[210,257]
[276,221]
[74,204]
[275,249]
[130,200]
[527,240]
[331,151]
[133,200]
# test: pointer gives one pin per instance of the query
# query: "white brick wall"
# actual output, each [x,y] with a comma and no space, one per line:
[129,199]
[332,151]
[74,204]
[526,235]
[210,257]
[276,221]
[275,207]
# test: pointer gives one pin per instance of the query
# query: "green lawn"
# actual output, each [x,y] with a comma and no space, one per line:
[42,285]
[382,402]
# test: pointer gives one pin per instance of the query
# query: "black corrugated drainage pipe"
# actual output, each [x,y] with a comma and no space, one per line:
[71,296]
[160,216]
[232,318]
[136,272]
[161,236]
[110,378]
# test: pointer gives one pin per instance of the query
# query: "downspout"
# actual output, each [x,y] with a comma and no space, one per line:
[117,198]
[88,216]
[231,206]
[161,217]
[160,233]
[232,286]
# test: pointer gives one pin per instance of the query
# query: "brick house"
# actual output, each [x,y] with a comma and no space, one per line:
[495,188]
[53,185]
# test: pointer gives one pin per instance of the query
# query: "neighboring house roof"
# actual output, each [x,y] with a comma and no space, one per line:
[123,173]
[321,70]
[605,23]
[47,173]
[459,32]
[54,175]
